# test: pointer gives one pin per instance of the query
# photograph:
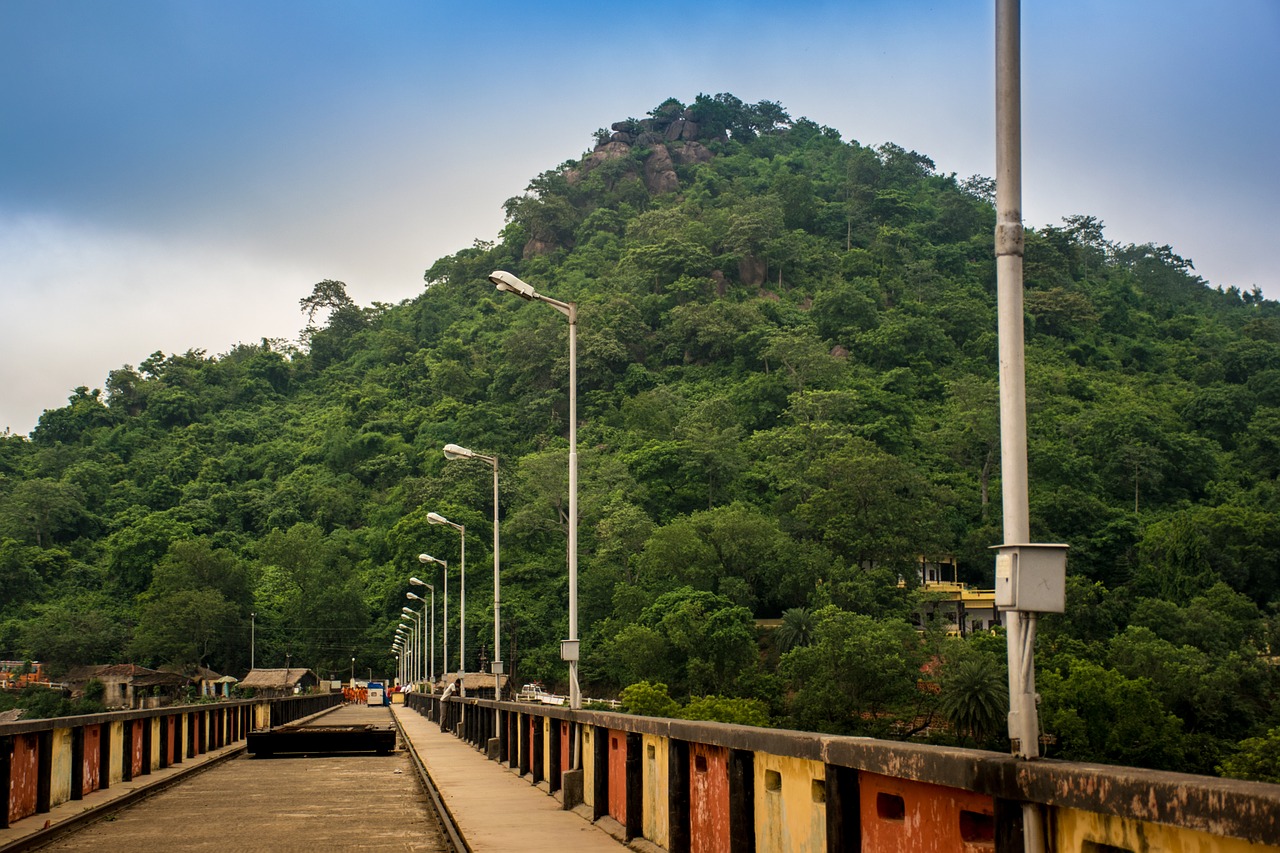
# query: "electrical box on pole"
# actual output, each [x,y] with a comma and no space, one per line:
[1031,577]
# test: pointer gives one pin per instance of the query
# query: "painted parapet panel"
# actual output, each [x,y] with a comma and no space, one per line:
[708,799]
[92,779]
[656,825]
[1088,832]
[24,776]
[115,731]
[790,797]
[137,744]
[618,775]
[898,814]
[564,745]
[588,766]
[60,767]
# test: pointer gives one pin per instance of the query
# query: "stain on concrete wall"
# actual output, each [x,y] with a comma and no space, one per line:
[708,799]
[115,731]
[137,744]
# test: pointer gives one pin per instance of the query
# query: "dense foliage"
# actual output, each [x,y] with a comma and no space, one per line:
[787,373]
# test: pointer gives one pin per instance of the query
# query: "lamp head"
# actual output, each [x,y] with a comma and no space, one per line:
[427,558]
[436,518]
[453,451]
[413,596]
[417,582]
[508,283]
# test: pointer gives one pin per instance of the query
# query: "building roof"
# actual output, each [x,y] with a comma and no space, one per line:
[474,680]
[277,678]
[138,676]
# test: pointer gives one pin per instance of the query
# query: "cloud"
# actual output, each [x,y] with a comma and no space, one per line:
[82,300]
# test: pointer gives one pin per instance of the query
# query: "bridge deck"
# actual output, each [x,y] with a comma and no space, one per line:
[495,809]
[331,802]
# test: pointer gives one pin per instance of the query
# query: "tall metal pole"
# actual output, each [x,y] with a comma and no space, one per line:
[1009,240]
[462,613]
[575,691]
[497,604]
[433,636]
[253,638]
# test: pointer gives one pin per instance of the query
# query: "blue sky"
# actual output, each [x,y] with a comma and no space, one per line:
[178,174]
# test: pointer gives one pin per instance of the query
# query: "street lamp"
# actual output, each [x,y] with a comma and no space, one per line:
[453,451]
[437,518]
[403,643]
[405,612]
[444,565]
[508,283]
[417,582]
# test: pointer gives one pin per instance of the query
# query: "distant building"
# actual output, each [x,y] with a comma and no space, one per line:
[944,600]
[127,685]
[280,682]
[16,674]
[479,684]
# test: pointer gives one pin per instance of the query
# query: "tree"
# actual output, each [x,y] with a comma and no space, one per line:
[797,628]
[975,696]
[1258,759]
[854,675]
[649,700]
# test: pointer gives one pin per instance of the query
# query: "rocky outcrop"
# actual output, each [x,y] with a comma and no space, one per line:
[672,137]
[660,172]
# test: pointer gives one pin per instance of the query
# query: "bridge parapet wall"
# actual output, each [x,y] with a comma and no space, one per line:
[45,763]
[689,787]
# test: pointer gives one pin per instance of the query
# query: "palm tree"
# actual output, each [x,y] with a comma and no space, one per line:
[796,629]
[975,696]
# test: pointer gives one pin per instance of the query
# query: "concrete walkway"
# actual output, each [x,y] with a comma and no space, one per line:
[493,807]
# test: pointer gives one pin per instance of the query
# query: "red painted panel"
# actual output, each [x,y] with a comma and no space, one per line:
[171,745]
[137,745]
[92,759]
[534,757]
[898,814]
[564,746]
[24,772]
[708,799]
[618,776]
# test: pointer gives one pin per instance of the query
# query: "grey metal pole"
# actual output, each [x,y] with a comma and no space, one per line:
[497,604]
[462,613]
[575,691]
[1009,244]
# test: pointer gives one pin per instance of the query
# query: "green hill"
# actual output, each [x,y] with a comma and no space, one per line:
[787,390]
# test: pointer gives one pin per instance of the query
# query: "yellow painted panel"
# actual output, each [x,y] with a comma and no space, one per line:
[588,766]
[60,784]
[156,743]
[117,751]
[1076,831]
[791,809]
[656,825]
[545,758]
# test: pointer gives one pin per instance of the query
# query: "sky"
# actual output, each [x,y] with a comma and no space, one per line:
[177,174]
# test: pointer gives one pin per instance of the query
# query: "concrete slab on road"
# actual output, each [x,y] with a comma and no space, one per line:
[493,808]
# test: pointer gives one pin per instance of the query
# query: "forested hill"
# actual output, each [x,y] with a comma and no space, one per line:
[787,373]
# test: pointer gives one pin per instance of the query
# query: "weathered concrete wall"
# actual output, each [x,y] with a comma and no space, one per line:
[60,766]
[157,742]
[657,814]
[1089,832]
[24,770]
[92,759]
[790,804]
[618,775]
[588,766]
[115,773]
[898,814]
[708,799]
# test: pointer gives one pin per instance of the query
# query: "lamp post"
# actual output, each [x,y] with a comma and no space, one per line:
[444,566]
[423,648]
[353,671]
[411,638]
[508,283]
[404,641]
[416,640]
[253,638]
[437,518]
[453,451]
